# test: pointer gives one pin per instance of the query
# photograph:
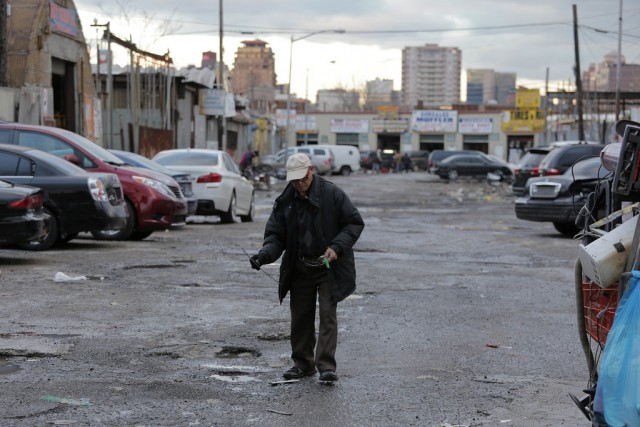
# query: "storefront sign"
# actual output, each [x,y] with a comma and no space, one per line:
[528,98]
[482,125]
[389,126]
[63,20]
[216,102]
[523,121]
[434,121]
[349,126]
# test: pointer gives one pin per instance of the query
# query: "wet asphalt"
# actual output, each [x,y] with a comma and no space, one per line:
[463,316]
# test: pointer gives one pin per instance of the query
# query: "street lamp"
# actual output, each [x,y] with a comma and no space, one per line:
[295,39]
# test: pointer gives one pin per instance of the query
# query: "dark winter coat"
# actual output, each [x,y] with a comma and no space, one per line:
[340,225]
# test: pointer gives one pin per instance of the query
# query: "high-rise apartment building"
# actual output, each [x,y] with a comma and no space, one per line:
[431,76]
[378,92]
[486,87]
[603,77]
[253,68]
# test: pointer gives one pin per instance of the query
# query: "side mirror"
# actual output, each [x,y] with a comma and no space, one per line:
[72,158]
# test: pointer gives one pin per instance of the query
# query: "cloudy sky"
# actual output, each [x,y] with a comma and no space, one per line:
[525,37]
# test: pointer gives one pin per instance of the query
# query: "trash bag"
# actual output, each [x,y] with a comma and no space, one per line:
[618,389]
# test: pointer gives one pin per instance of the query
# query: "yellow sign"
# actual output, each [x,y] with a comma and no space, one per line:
[528,98]
[524,120]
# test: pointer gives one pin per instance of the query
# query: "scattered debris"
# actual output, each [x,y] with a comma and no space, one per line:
[497,346]
[68,401]
[275,383]
[279,412]
[61,277]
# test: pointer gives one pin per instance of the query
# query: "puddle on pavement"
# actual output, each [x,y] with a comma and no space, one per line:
[7,368]
[235,379]
[35,334]
[151,266]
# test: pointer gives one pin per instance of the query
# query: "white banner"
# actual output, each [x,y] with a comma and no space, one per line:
[281,117]
[435,121]
[349,126]
[212,102]
[482,125]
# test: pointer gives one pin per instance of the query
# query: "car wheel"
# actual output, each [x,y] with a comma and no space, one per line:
[568,229]
[452,174]
[123,234]
[49,239]
[252,208]
[345,171]
[230,216]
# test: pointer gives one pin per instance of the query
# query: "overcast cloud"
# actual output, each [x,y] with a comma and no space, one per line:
[504,35]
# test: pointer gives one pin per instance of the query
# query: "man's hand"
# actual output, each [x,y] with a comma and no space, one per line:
[330,255]
[257,261]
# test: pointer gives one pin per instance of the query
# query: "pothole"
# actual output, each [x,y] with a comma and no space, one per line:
[233,351]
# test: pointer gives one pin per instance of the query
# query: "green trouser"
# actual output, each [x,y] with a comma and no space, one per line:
[307,283]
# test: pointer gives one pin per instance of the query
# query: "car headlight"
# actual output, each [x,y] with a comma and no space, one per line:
[156,185]
[98,190]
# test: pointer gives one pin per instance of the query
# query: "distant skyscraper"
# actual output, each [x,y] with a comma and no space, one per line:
[602,76]
[431,75]
[379,92]
[490,87]
[209,60]
[254,67]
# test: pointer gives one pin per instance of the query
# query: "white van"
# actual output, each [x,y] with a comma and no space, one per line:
[346,158]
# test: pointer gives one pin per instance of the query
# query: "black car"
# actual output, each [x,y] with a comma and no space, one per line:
[563,157]
[436,156]
[183,179]
[558,199]
[476,164]
[22,218]
[76,200]
[527,167]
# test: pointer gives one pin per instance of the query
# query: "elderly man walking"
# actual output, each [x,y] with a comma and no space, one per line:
[315,224]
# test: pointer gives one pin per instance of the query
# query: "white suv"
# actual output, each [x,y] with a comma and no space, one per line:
[321,159]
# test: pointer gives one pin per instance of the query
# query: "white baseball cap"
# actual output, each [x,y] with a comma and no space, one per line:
[297,166]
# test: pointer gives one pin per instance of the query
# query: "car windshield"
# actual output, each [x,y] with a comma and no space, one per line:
[138,160]
[92,148]
[188,158]
[588,168]
[531,159]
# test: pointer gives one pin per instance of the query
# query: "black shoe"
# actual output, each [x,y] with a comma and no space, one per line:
[328,376]
[297,373]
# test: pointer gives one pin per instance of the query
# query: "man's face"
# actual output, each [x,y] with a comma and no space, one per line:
[302,185]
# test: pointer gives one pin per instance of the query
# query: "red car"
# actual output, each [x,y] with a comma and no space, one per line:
[154,200]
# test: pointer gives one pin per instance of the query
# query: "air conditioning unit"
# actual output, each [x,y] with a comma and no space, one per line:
[604,260]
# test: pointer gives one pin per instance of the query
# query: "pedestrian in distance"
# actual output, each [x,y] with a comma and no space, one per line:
[375,162]
[406,162]
[313,226]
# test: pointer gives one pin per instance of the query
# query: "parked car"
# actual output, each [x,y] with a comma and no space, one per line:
[419,160]
[154,200]
[527,167]
[75,200]
[436,156]
[366,159]
[219,185]
[474,164]
[346,158]
[562,157]
[183,179]
[22,218]
[559,198]
[321,158]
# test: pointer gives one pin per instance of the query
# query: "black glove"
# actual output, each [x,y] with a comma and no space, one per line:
[258,261]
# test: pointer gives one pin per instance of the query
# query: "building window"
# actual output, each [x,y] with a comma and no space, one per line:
[432,142]
[476,142]
[347,139]
[311,139]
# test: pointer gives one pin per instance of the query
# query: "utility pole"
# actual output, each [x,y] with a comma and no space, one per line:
[618,64]
[547,129]
[578,78]
[221,86]
[4,13]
